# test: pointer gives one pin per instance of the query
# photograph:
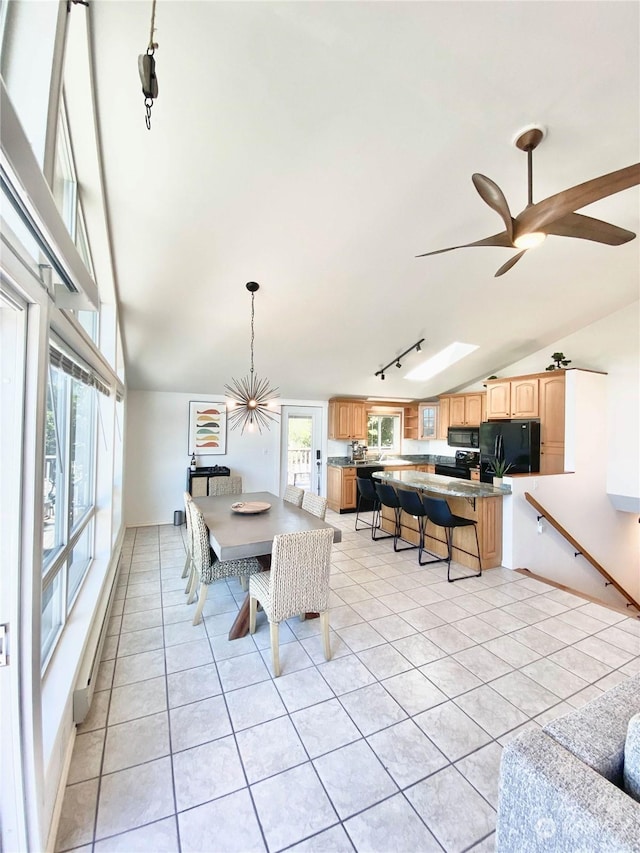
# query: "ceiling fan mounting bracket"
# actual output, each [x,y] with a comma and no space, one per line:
[528,138]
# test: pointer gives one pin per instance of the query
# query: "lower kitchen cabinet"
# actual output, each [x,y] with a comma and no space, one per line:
[342,489]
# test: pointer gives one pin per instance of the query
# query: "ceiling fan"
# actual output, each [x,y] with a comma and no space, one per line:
[555,214]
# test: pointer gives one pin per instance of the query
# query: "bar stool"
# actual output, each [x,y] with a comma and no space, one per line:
[389,498]
[411,503]
[438,513]
[367,492]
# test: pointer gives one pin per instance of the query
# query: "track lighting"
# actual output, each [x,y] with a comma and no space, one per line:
[396,360]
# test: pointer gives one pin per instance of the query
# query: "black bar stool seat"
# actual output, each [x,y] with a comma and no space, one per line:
[411,504]
[389,498]
[367,491]
[439,513]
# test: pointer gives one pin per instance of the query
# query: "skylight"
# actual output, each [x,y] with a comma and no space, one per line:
[440,361]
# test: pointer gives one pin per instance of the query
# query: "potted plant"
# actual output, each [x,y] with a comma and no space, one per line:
[499,468]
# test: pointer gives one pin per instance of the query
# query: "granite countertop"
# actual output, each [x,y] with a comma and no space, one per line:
[418,459]
[439,485]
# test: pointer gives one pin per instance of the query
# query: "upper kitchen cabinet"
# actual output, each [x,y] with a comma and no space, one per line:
[347,420]
[552,422]
[428,421]
[465,409]
[444,407]
[513,398]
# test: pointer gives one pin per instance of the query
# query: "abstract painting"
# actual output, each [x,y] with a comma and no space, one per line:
[207,428]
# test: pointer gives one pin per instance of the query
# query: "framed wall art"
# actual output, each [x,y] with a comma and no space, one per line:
[207,428]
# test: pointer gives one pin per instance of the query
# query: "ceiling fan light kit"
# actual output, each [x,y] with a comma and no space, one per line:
[553,215]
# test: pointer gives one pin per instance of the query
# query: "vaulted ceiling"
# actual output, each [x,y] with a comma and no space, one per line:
[318,147]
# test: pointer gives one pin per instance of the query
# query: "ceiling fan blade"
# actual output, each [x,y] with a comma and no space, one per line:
[501,239]
[491,193]
[514,260]
[587,228]
[545,212]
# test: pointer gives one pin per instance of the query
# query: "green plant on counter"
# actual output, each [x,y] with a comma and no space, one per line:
[499,467]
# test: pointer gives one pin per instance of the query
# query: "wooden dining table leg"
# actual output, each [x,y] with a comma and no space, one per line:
[240,627]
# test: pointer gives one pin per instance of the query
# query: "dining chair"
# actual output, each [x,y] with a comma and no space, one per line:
[231,485]
[189,561]
[293,495]
[439,513]
[207,568]
[298,582]
[315,504]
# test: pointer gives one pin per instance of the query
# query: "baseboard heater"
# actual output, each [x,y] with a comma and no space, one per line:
[83,694]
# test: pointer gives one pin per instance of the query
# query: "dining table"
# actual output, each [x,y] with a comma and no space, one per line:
[236,532]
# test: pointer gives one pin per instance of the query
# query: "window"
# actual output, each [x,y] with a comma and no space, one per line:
[68,490]
[383,432]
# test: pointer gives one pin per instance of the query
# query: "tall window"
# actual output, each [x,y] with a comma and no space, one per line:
[383,432]
[68,493]
[69,202]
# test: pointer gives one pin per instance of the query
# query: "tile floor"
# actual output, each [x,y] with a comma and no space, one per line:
[393,745]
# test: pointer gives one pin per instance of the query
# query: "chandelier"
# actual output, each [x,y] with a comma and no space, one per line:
[251,395]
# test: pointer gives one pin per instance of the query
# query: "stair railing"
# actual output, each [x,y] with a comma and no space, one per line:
[580,551]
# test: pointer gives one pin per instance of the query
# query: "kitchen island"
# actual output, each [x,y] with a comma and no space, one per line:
[481,502]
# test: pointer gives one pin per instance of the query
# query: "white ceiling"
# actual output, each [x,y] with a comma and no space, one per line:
[317,147]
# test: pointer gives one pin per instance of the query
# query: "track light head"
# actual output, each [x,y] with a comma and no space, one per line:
[398,363]
[418,348]
[382,376]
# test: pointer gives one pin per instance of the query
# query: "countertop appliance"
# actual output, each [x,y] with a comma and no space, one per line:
[516,442]
[461,467]
[463,437]
[358,451]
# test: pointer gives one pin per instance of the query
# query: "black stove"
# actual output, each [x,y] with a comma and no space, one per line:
[460,468]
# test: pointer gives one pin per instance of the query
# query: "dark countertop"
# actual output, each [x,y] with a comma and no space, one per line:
[439,485]
[417,459]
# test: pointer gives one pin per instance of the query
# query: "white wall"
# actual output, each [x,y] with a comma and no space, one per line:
[157,454]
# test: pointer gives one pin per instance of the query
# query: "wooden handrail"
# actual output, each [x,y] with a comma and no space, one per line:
[580,550]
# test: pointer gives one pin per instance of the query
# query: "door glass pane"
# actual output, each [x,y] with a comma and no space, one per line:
[82,433]
[53,495]
[79,562]
[299,451]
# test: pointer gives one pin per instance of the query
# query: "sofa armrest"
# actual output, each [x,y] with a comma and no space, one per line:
[551,802]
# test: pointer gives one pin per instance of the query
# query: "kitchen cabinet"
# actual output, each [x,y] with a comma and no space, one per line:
[411,422]
[347,420]
[444,407]
[465,409]
[426,469]
[552,423]
[428,421]
[513,398]
[342,489]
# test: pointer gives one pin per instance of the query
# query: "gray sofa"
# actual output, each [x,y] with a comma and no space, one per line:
[562,788]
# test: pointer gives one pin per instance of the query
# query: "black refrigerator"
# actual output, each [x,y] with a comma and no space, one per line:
[516,442]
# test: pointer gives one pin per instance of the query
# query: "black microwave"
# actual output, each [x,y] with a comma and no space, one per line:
[463,437]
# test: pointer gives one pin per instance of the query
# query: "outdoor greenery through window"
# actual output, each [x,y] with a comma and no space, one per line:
[383,432]
[68,496]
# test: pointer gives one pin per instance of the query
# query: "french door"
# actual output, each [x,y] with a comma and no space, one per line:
[301,463]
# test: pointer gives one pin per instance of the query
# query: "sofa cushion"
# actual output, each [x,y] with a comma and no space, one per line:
[632,758]
[597,732]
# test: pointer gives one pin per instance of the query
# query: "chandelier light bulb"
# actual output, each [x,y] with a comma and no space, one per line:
[251,396]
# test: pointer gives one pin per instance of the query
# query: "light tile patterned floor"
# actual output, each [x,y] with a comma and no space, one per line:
[393,745]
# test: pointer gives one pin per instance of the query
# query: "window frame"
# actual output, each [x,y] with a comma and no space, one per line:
[397,430]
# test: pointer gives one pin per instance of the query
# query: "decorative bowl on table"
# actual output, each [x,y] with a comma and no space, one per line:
[250,507]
